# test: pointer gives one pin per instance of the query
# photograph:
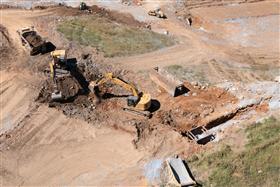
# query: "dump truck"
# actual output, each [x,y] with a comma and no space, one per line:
[32,40]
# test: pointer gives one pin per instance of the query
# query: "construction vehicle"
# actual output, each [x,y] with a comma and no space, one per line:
[59,58]
[83,6]
[32,40]
[56,95]
[139,101]
[158,13]
[58,67]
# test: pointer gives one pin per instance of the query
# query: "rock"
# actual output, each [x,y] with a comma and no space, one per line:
[186,94]
[194,83]
[193,116]
[194,94]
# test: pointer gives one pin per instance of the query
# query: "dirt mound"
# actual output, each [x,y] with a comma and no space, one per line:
[127,19]
[67,85]
[5,6]
[6,47]
[186,112]
[112,15]
[5,40]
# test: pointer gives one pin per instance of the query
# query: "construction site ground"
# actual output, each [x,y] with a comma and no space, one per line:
[228,59]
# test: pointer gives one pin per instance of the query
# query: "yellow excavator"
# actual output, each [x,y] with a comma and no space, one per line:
[58,60]
[140,101]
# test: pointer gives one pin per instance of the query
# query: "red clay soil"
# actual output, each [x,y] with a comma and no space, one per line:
[186,112]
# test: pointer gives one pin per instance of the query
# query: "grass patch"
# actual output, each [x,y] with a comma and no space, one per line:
[112,38]
[257,165]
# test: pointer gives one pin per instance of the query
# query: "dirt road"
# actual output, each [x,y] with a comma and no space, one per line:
[233,38]
[44,147]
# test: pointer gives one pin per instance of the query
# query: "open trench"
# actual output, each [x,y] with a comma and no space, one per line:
[207,132]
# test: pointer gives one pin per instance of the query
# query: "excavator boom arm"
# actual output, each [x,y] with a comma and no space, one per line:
[109,77]
[126,86]
[140,102]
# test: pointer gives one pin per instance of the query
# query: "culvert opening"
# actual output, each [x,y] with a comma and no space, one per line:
[200,135]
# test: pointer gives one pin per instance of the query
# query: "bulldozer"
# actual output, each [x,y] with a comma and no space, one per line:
[139,101]
[158,13]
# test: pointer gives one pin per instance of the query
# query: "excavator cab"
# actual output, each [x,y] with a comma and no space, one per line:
[132,100]
[59,58]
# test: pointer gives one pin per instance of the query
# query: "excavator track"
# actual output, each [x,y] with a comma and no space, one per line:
[146,114]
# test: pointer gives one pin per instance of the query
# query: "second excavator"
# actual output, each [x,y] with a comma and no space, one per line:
[138,100]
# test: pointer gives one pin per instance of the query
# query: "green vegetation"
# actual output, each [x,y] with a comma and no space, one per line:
[112,38]
[257,165]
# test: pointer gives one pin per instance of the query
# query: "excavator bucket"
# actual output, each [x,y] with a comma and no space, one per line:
[144,102]
[56,96]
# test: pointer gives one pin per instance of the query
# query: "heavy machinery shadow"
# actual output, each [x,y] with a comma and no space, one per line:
[110,95]
[49,48]
[155,105]
[75,72]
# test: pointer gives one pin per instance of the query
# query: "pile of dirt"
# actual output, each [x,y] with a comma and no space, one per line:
[67,85]
[186,112]
[3,6]
[123,18]
[6,47]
